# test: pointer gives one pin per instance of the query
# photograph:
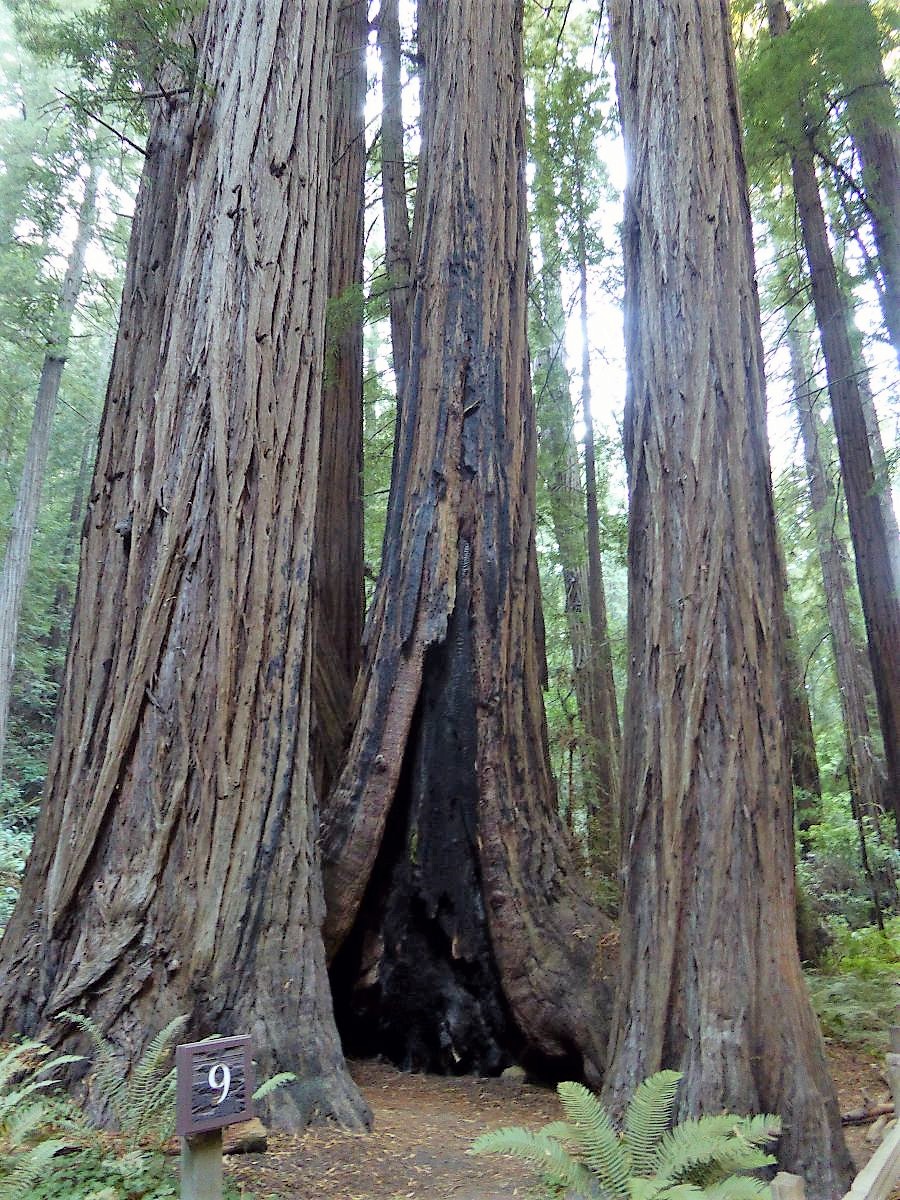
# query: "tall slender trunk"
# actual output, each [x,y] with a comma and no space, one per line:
[339,514]
[62,600]
[873,125]
[556,422]
[175,865]
[28,497]
[604,816]
[804,761]
[466,937]
[393,175]
[876,558]
[710,979]
[864,771]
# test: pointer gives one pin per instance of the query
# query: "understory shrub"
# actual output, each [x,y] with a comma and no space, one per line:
[647,1159]
[855,992]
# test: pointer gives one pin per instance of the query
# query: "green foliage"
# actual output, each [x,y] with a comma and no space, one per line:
[33,1127]
[121,51]
[831,870]
[142,1100]
[585,1155]
[855,992]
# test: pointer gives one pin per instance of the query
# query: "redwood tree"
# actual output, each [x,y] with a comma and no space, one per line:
[175,865]
[710,976]
[448,882]
[876,552]
[339,517]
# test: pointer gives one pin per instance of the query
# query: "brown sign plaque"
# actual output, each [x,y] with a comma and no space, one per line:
[215,1085]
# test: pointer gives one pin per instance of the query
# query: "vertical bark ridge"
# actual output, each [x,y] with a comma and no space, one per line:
[465,476]
[708,911]
[185,717]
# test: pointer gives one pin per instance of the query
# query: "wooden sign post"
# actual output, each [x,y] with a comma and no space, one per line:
[215,1089]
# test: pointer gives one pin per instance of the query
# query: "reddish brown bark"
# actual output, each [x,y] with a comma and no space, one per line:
[175,865]
[710,976]
[339,516]
[444,854]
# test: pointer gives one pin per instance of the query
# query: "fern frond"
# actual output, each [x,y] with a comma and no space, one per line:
[647,1118]
[739,1187]
[710,1148]
[12,1062]
[26,1120]
[275,1081]
[558,1168]
[601,1148]
[20,1172]
[147,1093]
[682,1191]
[108,1072]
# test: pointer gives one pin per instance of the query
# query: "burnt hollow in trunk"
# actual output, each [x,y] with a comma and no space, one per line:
[417,981]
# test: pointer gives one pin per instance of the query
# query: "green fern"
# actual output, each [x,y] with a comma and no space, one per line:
[601,1149]
[700,1159]
[273,1083]
[559,1170]
[648,1117]
[141,1100]
[30,1120]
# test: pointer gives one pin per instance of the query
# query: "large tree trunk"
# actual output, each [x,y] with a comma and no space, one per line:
[710,976]
[873,123]
[339,592]
[175,865]
[863,768]
[28,497]
[397,260]
[877,559]
[445,862]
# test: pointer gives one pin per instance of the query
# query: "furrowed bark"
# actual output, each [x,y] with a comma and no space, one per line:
[710,980]
[447,802]
[339,518]
[28,497]
[175,865]
[877,555]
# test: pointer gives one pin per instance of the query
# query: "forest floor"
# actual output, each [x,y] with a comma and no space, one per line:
[424,1124]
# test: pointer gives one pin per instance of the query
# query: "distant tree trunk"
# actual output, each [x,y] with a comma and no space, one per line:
[863,769]
[62,601]
[28,497]
[393,175]
[175,865]
[876,558]
[469,939]
[604,815]
[873,124]
[710,975]
[339,516]
[804,761]
[599,747]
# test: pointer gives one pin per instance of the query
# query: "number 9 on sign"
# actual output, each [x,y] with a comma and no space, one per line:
[220,1081]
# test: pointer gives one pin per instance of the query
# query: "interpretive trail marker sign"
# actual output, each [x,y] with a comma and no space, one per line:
[214,1089]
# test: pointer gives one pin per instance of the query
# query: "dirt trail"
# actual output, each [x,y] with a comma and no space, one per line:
[424,1124]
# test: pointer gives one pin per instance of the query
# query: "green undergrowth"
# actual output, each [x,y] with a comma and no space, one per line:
[855,991]
[50,1151]
[648,1158]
